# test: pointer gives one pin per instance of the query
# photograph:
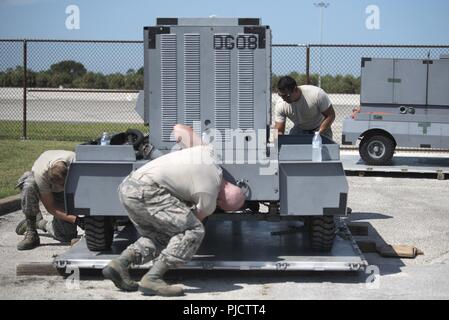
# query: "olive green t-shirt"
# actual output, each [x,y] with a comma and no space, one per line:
[307,111]
[191,175]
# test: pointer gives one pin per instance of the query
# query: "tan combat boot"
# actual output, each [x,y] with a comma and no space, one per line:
[31,239]
[41,224]
[117,270]
[153,284]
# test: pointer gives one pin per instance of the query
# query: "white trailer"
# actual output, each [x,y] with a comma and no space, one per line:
[404,103]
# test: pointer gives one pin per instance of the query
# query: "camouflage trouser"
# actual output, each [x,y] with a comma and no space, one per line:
[296,130]
[60,230]
[169,228]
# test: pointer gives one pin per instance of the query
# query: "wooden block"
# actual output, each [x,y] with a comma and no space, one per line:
[74,241]
[399,251]
[36,269]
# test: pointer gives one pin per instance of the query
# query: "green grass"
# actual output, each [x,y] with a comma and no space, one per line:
[17,156]
[63,131]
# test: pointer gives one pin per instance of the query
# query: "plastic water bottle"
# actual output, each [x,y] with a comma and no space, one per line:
[105,139]
[317,145]
[206,136]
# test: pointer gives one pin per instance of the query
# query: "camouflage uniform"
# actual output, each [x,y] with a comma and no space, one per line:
[169,228]
[60,230]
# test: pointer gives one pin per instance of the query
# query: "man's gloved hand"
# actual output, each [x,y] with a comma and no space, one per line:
[79,221]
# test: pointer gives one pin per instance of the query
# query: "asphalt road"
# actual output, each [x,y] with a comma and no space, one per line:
[411,211]
[66,110]
[102,106]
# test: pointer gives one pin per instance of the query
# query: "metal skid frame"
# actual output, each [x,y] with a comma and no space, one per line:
[400,164]
[240,242]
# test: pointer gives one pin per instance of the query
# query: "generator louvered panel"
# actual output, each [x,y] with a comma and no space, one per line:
[169,99]
[223,91]
[246,89]
[192,78]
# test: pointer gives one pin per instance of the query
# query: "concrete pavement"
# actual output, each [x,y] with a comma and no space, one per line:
[398,210]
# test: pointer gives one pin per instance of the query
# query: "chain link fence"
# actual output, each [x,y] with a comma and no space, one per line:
[11,94]
[74,90]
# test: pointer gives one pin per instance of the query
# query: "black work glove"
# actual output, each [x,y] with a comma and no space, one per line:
[79,221]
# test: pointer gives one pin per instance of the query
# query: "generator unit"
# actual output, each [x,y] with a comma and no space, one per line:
[404,103]
[213,74]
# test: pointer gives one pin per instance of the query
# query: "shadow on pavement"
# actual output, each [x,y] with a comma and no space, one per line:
[386,266]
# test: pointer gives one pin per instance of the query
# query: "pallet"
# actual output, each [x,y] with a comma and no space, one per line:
[400,164]
[239,245]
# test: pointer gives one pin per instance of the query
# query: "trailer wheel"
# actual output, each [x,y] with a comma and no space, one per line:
[99,232]
[377,150]
[322,232]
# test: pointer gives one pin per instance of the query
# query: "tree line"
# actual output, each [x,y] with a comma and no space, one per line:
[346,84]
[72,74]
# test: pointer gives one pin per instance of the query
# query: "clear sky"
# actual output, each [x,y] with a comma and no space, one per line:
[291,21]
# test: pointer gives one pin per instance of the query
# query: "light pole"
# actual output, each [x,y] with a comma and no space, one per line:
[321,5]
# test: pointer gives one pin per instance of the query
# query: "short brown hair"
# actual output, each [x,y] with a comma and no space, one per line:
[58,172]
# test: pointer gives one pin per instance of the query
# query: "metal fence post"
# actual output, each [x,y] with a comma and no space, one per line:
[25,84]
[308,64]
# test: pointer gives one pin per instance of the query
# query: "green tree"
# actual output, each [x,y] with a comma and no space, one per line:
[314,79]
[274,82]
[15,76]
[115,81]
[5,78]
[31,78]
[328,84]
[134,81]
[100,81]
[64,73]
[357,85]
[347,84]
[60,80]
[87,81]
[353,83]
[91,80]
[140,71]
[43,79]
[70,67]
